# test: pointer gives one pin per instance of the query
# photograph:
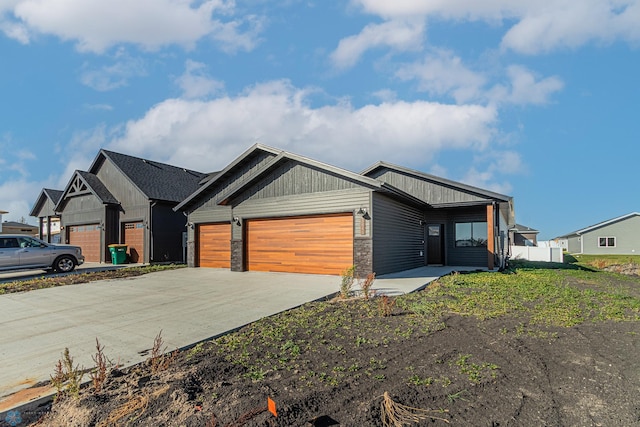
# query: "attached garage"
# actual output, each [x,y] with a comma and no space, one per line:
[214,245]
[318,244]
[88,238]
[134,239]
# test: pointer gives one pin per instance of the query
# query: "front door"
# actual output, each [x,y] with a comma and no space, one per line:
[435,244]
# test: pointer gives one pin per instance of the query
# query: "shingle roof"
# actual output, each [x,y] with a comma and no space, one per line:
[53,195]
[97,187]
[157,181]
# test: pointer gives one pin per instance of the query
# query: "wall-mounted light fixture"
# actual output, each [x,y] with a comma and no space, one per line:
[191,225]
[236,220]
[362,211]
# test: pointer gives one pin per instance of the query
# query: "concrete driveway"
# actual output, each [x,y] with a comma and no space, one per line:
[189,305]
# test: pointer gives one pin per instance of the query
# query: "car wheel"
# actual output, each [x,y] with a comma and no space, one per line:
[64,264]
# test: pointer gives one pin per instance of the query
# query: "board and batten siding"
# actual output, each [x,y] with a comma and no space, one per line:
[307,204]
[398,235]
[626,232]
[241,173]
[430,192]
[465,256]
[292,179]
[83,209]
[120,186]
[47,209]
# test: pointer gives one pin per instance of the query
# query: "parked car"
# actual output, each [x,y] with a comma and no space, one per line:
[20,252]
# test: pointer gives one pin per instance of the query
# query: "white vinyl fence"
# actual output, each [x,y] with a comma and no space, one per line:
[534,253]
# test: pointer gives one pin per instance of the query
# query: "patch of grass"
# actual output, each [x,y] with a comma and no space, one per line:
[50,281]
[554,297]
[601,261]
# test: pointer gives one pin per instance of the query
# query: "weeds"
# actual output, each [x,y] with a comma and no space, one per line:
[99,372]
[348,277]
[159,361]
[67,378]
[366,285]
[385,306]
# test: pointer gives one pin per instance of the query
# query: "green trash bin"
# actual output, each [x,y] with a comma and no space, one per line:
[118,254]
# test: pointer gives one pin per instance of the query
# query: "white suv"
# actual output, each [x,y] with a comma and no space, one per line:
[19,252]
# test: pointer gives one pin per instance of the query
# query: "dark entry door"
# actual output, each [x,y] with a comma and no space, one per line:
[435,244]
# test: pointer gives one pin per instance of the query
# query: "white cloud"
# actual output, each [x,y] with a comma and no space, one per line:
[195,83]
[17,197]
[206,135]
[97,25]
[400,35]
[534,27]
[524,88]
[443,73]
[489,167]
[114,76]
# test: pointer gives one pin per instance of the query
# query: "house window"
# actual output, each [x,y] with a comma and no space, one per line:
[471,234]
[606,242]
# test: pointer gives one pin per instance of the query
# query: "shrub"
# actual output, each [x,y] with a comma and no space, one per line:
[348,275]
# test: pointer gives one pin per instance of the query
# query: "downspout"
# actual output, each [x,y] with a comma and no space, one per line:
[150,228]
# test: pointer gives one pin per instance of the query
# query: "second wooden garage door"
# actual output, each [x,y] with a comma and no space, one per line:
[88,238]
[134,239]
[320,244]
[214,245]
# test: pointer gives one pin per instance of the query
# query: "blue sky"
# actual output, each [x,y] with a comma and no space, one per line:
[537,100]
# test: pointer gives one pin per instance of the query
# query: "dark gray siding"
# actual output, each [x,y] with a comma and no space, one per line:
[430,192]
[290,179]
[465,256]
[166,240]
[84,209]
[626,233]
[47,209]
[397,235]
[119,185]
[241,173]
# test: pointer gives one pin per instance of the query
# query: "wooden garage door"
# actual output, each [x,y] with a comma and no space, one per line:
[88,238]
[310,244]
[214,245]
[134,239]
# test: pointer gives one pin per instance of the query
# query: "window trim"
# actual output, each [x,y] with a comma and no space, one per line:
[606,239]
[472,223]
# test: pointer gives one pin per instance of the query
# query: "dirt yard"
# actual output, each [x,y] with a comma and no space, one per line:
[534,348]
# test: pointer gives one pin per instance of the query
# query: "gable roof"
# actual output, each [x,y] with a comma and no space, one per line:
[94,186]
[157,181]
[281,156]
[46,193]
[438,180]
[213,178]
[519,228]
[599,225]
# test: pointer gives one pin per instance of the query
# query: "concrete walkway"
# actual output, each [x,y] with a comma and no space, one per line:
[189,305]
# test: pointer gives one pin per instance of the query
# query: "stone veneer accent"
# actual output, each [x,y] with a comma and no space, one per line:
[191,254]
[237,255]
[363,255]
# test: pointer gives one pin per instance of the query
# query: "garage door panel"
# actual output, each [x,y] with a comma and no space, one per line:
[88,238]
[134,239]
[214,245]
[313,244]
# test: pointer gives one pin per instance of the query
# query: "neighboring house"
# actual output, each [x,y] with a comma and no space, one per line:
[129,200]
[12,227]
[48,220]
[617,236]
[2,213]
[521,235]
[271,210]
